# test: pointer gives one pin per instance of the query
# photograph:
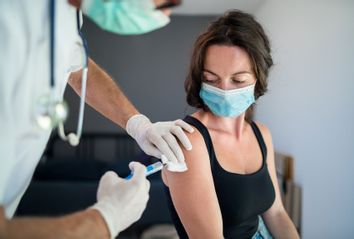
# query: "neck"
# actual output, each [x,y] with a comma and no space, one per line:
[233,126]
[75,3]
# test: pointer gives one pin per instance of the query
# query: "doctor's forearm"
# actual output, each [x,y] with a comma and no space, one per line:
[85,224]
[104,95]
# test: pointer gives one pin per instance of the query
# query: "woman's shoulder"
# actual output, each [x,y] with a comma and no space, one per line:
[196,137]
[198,144]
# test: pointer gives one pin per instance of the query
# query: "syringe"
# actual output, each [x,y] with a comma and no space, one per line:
[150,169]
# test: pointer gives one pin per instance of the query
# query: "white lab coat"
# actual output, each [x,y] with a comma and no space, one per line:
[24,77]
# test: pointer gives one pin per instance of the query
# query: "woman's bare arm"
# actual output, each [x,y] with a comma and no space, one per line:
[193,193]
[276,218]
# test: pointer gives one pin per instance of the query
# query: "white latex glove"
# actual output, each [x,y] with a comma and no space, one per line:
[121,202]
[157,139]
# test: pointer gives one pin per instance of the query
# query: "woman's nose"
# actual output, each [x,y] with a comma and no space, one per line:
[225,84]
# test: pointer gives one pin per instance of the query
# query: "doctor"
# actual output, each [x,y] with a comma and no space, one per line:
[34,64]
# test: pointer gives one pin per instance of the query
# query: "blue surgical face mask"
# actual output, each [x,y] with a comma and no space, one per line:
[126,17]
[227,103]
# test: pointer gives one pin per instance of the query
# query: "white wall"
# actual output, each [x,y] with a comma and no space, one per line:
[310,106]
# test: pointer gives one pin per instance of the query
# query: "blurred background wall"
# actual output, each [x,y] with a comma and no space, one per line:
[150,68]
[309,107]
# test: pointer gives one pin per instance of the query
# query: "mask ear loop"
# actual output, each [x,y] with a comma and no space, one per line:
[72,138]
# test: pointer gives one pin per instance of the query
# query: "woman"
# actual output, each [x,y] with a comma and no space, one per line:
[231,182]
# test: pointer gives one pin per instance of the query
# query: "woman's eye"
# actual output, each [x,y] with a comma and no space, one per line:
[209,80]
[238,81]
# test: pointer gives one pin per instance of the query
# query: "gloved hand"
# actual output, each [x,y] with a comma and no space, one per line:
[157,139]
[121,202]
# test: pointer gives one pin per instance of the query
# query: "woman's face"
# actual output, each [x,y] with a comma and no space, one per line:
[227,67]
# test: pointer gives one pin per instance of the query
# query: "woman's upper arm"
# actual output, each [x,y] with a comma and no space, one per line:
[276,218]
[193,193]
[277,206]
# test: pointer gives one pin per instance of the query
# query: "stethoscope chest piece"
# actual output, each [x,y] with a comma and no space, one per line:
[50,112]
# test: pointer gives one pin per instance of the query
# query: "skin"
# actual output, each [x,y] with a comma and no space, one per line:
[84,224]
[104,95]
[226,67]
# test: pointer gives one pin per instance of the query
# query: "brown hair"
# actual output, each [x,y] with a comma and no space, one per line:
[234,28]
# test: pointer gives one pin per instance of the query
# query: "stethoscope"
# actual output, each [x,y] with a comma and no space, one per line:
[51,110]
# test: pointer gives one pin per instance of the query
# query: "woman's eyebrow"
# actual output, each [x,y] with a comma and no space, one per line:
[236,73]
[209,71]
[242,72]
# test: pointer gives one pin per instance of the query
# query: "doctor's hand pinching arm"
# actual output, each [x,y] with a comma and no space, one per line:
[155,139]
[159,138]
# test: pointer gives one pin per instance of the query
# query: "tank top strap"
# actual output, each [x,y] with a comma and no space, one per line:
[204,132]
[260,140]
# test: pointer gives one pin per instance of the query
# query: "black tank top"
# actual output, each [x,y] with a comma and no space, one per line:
[242,198]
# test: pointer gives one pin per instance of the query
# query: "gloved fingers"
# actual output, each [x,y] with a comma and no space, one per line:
[109,175]
[136,167]
[147,185]
[173,144]
[182,137]
[109,178]
[164,160]
[139,172]
[151,150]
[165,149]
[184,125]
[107,181]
